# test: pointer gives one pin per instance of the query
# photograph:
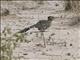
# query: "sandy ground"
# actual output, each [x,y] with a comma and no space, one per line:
[62,40]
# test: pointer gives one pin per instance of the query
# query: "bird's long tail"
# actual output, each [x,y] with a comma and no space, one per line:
[26,29]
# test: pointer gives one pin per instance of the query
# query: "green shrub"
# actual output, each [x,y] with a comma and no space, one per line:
[9,42]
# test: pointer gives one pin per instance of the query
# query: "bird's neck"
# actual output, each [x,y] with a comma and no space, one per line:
[49,20]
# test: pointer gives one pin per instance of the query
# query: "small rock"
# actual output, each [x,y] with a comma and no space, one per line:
[25,54]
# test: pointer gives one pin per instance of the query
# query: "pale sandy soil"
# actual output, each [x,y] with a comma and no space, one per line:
[63,32]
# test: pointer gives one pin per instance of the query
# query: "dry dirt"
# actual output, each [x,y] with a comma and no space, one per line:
[56,36]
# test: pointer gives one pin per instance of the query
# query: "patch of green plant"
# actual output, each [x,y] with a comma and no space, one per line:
[9,42]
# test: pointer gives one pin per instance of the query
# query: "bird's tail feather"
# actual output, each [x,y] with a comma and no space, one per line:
[26,29]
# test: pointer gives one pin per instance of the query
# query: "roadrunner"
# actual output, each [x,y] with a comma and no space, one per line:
[42,25]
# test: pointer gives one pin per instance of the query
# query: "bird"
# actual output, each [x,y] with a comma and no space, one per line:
[42,25]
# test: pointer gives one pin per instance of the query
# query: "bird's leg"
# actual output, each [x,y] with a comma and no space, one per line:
[43,38]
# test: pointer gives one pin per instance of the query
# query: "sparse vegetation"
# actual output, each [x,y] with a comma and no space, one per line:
[8,43]
[72,5]
[4,12]
[67,6]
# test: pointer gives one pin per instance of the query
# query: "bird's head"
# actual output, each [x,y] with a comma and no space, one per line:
[50,18]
